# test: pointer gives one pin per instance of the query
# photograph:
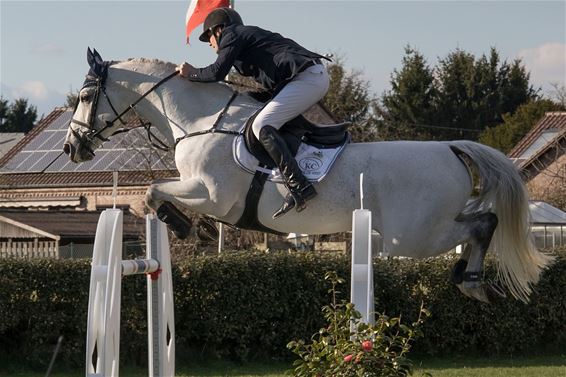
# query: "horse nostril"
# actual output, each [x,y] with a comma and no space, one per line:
[67,148]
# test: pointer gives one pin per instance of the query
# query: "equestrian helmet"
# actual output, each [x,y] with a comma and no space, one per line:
[219,17]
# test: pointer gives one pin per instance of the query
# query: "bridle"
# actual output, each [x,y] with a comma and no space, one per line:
[98,82]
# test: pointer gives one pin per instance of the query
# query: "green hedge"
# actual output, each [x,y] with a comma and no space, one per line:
[249,305]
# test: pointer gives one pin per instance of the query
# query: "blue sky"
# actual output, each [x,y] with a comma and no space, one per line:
[43,43]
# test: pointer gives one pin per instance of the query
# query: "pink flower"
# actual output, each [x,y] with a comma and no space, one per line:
[367,345]
[348,358]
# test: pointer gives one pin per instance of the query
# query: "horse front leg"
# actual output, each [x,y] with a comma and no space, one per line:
[163,196]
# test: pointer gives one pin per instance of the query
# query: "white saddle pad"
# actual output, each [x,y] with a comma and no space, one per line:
[315,163]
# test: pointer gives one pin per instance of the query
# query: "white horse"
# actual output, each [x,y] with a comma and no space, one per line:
[419,193]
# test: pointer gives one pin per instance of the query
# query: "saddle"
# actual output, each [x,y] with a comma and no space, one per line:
[296,131]
[301,136]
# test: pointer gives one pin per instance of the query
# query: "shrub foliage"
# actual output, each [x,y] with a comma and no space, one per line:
[250,305]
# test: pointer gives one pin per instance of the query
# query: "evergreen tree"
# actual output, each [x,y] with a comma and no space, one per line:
[18,117]
[457,99]
[410,103]
[4,108]
[348,99]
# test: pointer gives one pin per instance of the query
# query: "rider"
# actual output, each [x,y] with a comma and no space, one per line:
[294,75]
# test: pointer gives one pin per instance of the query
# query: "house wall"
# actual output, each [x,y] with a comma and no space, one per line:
[550,181]
[90,198]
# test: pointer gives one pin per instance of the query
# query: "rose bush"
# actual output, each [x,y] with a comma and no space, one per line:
[341,349]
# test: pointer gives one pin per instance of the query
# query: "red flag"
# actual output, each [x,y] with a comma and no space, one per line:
[198,10]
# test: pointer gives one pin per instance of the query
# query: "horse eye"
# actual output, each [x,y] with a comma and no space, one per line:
[85,98]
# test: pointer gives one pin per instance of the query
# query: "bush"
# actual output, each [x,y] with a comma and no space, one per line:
[342,349]
[250,305]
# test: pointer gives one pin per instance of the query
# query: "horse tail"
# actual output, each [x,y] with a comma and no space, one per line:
[502,191]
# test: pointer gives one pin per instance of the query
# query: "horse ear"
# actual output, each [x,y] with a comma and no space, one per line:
[97,57]
[90,58]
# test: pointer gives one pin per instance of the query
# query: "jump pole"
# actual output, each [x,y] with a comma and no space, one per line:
[103,325]
[361,289]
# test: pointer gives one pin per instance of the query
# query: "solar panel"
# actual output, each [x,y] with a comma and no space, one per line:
[62,163]
[44,161]
[127,151]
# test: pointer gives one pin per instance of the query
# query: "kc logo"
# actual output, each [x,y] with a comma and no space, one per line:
[310,164]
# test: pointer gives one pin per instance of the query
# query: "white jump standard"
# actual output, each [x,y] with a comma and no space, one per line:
[103,327]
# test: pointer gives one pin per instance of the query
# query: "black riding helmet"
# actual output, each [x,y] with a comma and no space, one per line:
[219,17]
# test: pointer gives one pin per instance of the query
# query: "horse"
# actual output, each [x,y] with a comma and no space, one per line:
[423,197]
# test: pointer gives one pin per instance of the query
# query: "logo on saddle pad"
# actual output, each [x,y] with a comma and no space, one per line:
[310,164]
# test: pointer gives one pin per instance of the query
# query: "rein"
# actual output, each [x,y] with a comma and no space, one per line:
[131,108]
[214,128]
[99,83]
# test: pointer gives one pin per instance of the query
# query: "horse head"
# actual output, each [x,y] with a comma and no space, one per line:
[90,125]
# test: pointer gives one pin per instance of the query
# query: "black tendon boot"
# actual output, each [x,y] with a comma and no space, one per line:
[300,189]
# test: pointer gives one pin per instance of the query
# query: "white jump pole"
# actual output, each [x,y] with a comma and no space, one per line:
[160,306]
[103,326]
[361,292]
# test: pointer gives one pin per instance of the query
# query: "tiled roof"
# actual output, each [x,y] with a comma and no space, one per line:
[73,224]
[51,179]
[9,140]
[551,120]
[81,179]
[43,123]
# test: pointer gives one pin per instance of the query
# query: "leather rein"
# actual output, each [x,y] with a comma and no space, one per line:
[99,81]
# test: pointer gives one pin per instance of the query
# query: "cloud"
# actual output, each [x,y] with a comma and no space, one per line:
[37,94]
[34,90]
[546,63]
[48,49]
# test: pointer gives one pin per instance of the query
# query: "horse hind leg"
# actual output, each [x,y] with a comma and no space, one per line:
[467,273]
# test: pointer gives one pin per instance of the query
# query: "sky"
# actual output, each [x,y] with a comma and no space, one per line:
[43,43]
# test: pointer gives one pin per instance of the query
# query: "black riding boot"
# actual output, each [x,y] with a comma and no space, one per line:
[300,189]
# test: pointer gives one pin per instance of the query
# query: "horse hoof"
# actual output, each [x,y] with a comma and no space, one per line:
[494,292]
[176,221]
[206,230]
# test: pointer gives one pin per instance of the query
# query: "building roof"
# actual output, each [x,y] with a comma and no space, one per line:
[542,145]
[37,159]
[552,122]
[545,214]
[70,224]
[8,140]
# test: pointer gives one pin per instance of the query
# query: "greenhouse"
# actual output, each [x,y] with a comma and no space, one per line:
[548,225]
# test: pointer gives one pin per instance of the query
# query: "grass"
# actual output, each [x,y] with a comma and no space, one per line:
[536,366]
[539,366]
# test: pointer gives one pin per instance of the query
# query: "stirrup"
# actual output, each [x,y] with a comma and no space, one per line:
[296,200]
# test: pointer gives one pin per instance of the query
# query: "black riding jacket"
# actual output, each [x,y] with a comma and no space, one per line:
[268,57]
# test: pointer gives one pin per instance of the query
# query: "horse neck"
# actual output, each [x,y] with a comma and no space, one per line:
[177,107]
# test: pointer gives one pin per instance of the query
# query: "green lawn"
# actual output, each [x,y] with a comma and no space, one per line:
[543,366]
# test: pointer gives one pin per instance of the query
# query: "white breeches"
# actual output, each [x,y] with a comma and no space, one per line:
[306,89]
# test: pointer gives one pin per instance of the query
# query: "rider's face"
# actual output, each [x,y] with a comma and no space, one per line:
[213,42]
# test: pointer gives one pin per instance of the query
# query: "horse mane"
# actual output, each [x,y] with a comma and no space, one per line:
[167,66]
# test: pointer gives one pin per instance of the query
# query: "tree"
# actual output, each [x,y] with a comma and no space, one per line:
[71,99]
[4,108]
[410,102]
[515,126]
[17,117]
[348,99]
[458,98]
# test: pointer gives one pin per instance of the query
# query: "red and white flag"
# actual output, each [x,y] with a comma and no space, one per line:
[198,10]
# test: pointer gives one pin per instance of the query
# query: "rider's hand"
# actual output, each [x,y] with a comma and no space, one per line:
[184,68]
